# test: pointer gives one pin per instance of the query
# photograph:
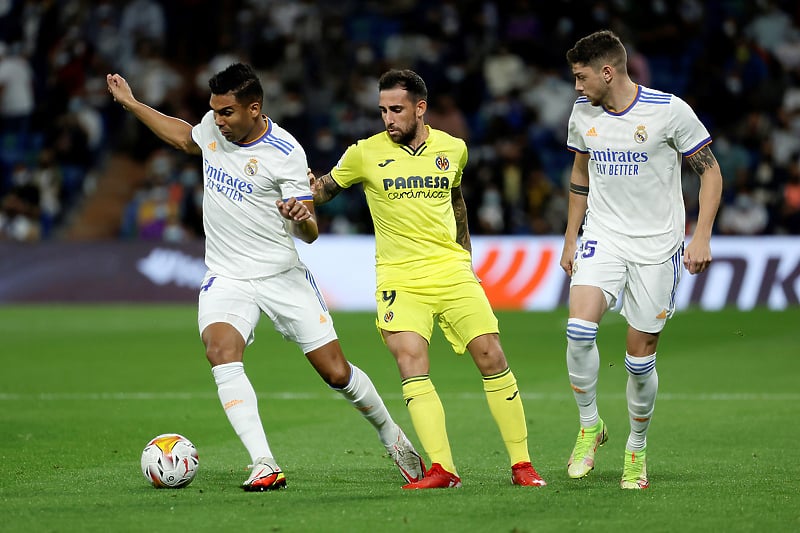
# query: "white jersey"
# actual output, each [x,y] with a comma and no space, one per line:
[635,203]
[245,234]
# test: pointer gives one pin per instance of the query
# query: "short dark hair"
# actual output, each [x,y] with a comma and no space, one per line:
[239,79]
[598,48]
[406,79]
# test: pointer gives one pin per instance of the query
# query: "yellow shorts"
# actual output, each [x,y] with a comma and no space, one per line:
[462,310]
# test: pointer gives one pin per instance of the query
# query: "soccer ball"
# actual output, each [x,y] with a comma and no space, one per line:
[169,461]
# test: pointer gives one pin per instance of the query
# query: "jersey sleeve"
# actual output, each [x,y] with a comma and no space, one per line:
[689,134]
[462,164]
[348,170]
[575,140]
[293,178]
[198,130]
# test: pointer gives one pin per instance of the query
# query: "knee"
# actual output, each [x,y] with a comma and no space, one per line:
[488,355]
[219,353]
[331,365]
[640,343]
[337,376]
[224,344]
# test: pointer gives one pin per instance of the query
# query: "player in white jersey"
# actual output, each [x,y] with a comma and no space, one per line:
[626,195]
[257,197]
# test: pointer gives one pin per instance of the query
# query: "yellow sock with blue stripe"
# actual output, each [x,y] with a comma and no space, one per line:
[506,407]
[427,415]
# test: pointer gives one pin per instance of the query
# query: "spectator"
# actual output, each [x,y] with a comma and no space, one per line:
[19,214]
[444,114]
[103,32]
[141,20]
[504,72]
[790,206]
[746,216]
[46,176]
[771,27]
[491,217]
[497,62]
[70,145]
[16,101]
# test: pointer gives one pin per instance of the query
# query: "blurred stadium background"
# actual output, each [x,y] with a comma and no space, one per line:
[84,183]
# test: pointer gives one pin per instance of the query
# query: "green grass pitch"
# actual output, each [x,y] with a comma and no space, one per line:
[83,388]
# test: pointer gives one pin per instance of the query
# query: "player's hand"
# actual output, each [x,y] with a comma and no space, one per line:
[568,256]
[119,89]
[293,210]
[697,256]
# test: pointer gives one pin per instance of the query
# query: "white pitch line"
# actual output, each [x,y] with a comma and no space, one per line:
[294,396]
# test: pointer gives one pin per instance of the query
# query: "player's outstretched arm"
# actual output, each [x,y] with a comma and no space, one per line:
[302,221]
[174,131]
[323,188]
[697,255]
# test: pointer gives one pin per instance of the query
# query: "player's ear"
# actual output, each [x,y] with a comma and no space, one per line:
[422,106]
[255,109]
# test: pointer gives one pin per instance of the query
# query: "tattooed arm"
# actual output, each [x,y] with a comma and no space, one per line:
[460,212]
[323,188]
[697,255]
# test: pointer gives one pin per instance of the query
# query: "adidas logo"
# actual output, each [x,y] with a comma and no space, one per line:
[322,319]
[232,403]
[213,146]
[592,132]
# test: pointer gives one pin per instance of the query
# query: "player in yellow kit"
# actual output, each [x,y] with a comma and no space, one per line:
[411,176]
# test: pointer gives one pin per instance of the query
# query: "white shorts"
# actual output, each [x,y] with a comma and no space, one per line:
[290,299]
[647,291]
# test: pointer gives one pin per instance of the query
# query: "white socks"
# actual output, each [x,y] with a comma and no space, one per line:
[641,393]
[241,406]
[362,394]
[583,365]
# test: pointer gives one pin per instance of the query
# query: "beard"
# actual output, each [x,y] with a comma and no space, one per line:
[404,137]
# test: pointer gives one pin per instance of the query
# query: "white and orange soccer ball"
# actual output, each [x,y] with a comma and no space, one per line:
[169,461]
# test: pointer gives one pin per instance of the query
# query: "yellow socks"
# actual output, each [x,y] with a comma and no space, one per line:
[427,415]
[506,407]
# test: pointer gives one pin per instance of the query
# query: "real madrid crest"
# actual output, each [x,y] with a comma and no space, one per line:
[442,163]
[640,135]
[251,167]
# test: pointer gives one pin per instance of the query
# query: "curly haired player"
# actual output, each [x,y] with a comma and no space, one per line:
[625,189]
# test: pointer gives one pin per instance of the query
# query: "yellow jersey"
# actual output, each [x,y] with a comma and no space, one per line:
[409,196]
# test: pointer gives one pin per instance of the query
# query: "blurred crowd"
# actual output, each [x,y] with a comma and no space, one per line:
[495,71]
